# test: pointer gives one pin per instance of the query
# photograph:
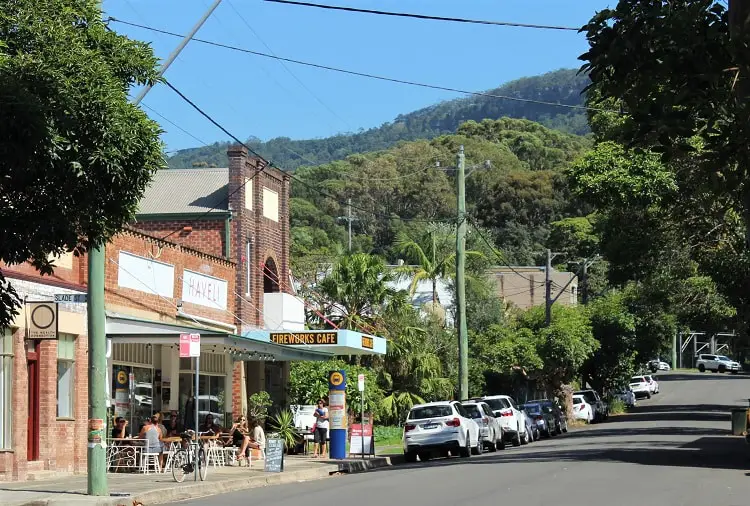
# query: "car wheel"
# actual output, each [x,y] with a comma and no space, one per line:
[425,456]
[537,435]
[565,426]
[648,395]
[516,441]
[479,448]
[500,443]
[722,369]
[465,452]
[410,456]
[701,368]
[445,454]
[525,438]
[492,444]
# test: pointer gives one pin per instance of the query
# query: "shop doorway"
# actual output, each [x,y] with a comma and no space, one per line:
[32,367]
[133,389]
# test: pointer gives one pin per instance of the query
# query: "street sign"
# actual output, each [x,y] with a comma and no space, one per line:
[75,298]
[190,345]
[361,382]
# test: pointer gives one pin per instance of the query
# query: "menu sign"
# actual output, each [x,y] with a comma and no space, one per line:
[274,456]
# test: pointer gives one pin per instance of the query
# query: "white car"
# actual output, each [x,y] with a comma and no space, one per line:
[717,363]
[490,430]
[652,383]
[640,386]
[512,420]
[582,410]
[440,427]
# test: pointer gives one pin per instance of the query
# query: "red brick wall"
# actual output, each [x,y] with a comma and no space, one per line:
[62,443]
[269,239]
[207,236]
[182,258]
[62,275]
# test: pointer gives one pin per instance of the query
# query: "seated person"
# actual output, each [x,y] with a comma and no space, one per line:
[258,437]
[240,437]
[174,426]
[210,426]
[120,430]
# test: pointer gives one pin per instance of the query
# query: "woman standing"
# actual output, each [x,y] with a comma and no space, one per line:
[321,429]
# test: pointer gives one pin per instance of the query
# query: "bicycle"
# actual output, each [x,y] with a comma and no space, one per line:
[186,460]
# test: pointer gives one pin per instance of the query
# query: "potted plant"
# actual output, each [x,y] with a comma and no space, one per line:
[257,406]
[283,428]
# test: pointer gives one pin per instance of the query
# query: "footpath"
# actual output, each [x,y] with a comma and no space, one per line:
[129,489]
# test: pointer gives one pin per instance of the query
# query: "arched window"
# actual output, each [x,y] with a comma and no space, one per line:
[270,277]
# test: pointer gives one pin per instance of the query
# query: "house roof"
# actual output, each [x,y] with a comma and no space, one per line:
[183,191]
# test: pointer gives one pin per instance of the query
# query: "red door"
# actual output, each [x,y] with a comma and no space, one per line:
[32,362]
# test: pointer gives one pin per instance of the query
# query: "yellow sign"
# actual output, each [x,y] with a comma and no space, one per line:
[367,342]
[122,378]
[336,378]
[304,338]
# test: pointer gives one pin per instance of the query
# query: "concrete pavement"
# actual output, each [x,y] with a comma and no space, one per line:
[674,449]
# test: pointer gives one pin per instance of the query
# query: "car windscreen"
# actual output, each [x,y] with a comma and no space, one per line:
[473,410]
[723,358]
[578,400]
[589,396]
[532,409]
[638,379]
[430,412]
[497,404]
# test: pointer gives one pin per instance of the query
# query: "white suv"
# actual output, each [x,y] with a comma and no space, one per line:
[717,363]
[440,427]
[640,386]
[512,420]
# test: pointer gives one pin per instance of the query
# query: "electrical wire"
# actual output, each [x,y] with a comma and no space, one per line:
[172,123]
[317,99]
[497,253]
[423,16]
[370,76]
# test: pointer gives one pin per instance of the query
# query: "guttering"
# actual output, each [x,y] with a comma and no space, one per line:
[183,216]
[228,235]
[209,321]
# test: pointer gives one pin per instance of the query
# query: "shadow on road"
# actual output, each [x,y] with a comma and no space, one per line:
[647,431]
[681,376]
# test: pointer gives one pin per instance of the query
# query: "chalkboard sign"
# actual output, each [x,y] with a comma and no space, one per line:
[274,456]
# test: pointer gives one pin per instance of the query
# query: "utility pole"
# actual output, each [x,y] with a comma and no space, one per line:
[463,338]
[548,290]
[585,282]
[349,218]
[96,454]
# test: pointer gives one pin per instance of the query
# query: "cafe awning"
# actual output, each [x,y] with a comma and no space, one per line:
[128,329]
[336,342]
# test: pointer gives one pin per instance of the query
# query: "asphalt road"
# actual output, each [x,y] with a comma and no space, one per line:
[674,449]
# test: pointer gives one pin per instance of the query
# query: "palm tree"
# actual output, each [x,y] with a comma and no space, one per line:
[432,256]
[357,292]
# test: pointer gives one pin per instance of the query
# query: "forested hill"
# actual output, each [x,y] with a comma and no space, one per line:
[561,86]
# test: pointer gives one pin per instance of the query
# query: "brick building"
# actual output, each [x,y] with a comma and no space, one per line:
[523,286]
[208,254]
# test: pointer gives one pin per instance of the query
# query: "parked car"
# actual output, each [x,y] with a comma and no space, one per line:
[659,365]
[640,386]
[652,383]
[627,396]
[601,408]
[559,419]
[582,410]
[490,430]
[511,418]
[543,420]
[533,431]
[443,427]
[717,363]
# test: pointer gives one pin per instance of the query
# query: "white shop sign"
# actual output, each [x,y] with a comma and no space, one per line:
[204,290]
[145,275]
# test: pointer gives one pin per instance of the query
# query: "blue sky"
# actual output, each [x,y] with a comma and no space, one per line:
[251,95]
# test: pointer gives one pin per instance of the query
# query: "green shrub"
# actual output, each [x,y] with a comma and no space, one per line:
[617,407]
[387,435]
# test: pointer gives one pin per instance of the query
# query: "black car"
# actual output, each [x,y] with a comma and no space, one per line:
[542,419]
[559,420]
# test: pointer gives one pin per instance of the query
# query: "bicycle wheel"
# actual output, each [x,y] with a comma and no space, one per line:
[202,464]
[179,461]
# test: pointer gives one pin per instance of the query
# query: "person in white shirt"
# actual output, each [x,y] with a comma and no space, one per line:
[257,436]
[320,434]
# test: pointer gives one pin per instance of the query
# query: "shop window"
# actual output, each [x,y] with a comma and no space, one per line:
[65,375]
[6,382]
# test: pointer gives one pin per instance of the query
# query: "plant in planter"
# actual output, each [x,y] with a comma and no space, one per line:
[257,406]
[283,428]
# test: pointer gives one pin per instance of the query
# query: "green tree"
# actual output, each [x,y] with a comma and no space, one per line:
[76,155]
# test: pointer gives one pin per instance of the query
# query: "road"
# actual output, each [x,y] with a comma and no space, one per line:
[674,449]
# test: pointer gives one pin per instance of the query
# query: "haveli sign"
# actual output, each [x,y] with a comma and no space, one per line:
[304,338]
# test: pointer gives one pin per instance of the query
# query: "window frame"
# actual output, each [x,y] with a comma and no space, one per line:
[66,343]
[6,390]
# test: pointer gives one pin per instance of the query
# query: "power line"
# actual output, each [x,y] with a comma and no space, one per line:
[497,253]
[370,76]
[425,16]
[172,123]
[317,99]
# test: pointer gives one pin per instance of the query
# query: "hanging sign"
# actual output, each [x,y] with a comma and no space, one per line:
[361,382]
[41,320]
